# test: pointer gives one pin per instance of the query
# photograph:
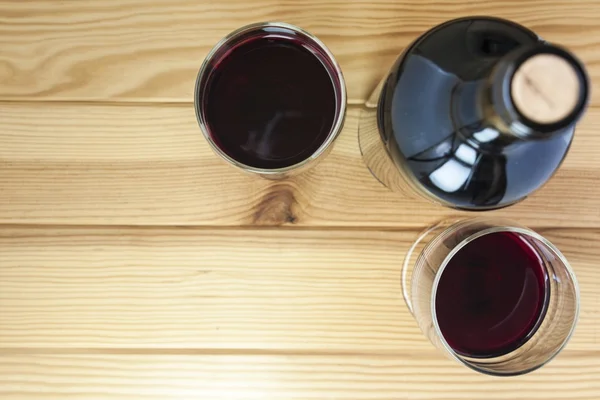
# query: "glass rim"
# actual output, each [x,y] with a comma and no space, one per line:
[494,229]
[334,68]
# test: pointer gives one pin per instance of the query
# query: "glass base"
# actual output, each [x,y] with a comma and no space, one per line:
[371,148]
[374,153]
[416,251]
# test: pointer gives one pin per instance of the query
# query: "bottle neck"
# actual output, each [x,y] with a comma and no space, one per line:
[499,109]
[530,94]
[474,118]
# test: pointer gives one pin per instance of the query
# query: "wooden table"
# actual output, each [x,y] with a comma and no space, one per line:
[134,264]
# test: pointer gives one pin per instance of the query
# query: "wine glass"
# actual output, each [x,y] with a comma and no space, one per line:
[270,99]
[492,294]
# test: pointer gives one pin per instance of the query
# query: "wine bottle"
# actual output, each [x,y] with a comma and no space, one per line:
[477,113]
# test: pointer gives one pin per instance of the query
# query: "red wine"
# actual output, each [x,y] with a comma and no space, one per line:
[271,100]
[450,121]
[492,295]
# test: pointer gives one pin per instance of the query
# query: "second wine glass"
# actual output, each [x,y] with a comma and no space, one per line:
[492,294]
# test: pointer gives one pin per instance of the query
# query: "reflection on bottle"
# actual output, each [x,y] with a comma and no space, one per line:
[457,171]
[451,176]
[457,167]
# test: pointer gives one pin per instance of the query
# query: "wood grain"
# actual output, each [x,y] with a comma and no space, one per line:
[151,50]
[134,264]
[422,375]
[229,289]
[149,165]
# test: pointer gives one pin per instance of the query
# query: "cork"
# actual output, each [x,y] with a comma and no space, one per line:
[545,88]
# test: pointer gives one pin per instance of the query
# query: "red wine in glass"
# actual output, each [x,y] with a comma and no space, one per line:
[272,97]
[492,295]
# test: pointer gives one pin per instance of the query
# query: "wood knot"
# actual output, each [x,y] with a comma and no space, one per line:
[276,207]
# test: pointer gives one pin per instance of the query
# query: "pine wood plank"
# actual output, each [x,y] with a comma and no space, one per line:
[229,289]
[150,165]
[151,50]
[97,128]
[422,375]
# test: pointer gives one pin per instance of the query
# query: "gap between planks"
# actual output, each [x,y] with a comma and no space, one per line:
[434,353]
[124,102]
[267,228]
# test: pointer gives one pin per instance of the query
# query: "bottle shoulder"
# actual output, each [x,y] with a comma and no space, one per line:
[419,130]
[467,47]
